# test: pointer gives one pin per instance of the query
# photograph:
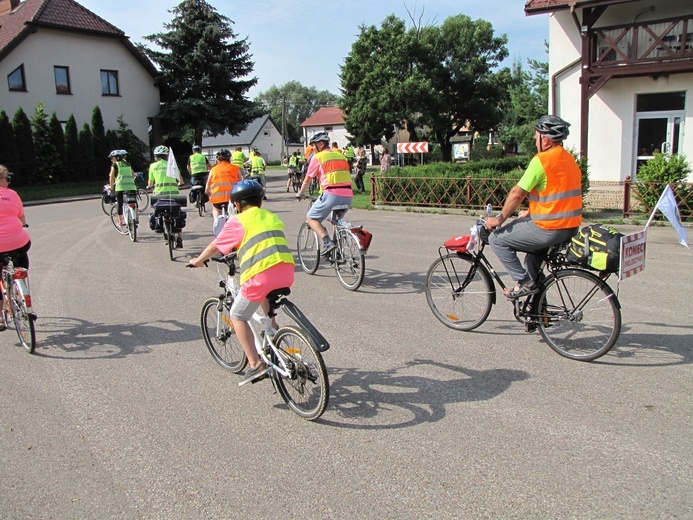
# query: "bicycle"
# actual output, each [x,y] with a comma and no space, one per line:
[313,187]
[108,198]
[130,219]
[17,302]
[199,198]
[168,217]
[296,178]
[576,311]
[348,258]
[293,353]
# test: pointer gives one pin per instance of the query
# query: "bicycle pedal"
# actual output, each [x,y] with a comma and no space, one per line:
[530,327]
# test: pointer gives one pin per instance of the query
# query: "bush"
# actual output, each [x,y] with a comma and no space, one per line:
[662,169]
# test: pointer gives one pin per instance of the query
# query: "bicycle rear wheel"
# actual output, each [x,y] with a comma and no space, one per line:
[313,186]
[200,206]
[579,315]
[220,337]
[132,225]
[306,391]
[350,262]
[23,323]
[142,199]
[308,248]
[123,230]
[459,294]
[170,239]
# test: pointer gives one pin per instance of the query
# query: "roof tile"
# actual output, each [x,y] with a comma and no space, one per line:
[325,116]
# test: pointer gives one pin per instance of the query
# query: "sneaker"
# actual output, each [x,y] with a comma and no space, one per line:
[179,243]
[328,247]
[287,190]
[253,375]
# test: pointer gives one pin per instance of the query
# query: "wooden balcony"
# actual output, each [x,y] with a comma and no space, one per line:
[654,47]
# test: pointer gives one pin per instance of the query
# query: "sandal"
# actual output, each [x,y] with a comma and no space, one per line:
[521,290]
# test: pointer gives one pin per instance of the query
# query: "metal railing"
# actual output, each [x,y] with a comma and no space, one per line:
[640,198]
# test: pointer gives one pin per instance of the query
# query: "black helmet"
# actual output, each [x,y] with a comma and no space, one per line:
[320,136]
[247,189]
[223,153]
[552,127]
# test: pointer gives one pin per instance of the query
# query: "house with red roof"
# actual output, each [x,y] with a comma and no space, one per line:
[330,120]
[67,57]
[621,71]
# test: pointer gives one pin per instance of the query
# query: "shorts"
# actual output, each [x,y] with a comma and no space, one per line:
[322,207]
[221,206]
[243,309]
[20,257]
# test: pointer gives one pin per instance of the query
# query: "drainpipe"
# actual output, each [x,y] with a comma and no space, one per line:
[554,76]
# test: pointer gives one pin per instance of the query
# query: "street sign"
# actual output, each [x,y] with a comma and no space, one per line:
[632,254]
[421,147]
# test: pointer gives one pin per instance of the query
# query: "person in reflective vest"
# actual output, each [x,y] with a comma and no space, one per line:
[257,168]
[221,181]
[552,182]
[198,166]
[122,179]
[161,182]
[239,159]
[332,170]
[293,169]
[350,155]
[265,260]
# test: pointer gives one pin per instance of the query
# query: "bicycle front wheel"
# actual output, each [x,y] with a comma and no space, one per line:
[142,199]
[459,293]
[350,262]
[307,389]
[123,230]
[308,249]
[105,206]
[220,336]
[578,314]
[23,323]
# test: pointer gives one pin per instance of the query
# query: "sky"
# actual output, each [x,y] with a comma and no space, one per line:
[307,40]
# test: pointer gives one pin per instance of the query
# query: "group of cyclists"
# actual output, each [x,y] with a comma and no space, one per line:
[551,182]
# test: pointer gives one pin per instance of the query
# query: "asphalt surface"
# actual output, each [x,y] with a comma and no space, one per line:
[123,413]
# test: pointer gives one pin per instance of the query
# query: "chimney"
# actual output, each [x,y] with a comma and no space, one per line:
[7,5]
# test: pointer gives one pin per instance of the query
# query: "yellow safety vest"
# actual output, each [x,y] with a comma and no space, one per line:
[163,185]
[198,164]
[258,166]
[238,158]
[335,167]
[124,181]
[264,243]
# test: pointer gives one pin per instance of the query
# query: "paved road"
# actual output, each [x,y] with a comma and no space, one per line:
[123,413]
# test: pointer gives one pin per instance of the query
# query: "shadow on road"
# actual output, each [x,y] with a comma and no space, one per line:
[76,339]
[374,400]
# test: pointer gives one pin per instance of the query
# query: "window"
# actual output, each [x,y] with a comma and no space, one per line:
[62,80]
[109,83]
[16,80]
[328,129]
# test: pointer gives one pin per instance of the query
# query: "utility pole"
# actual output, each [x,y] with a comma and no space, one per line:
[284,154]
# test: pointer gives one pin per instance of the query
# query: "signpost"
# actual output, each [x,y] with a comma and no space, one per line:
[632,254]
[420,147]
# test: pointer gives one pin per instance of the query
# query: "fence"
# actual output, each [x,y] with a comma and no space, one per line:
[639,198]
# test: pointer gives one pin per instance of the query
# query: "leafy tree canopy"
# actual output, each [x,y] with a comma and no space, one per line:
[295,103]
[201,64]
[436,77]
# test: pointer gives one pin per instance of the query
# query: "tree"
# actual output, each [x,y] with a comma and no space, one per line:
[138,152]
[8,151]
[72,154]
[438,78]
[98,132]
[86,153]
[527,101]
[47,156]
[58,141]
[294,103]
[201,62]
[24,144]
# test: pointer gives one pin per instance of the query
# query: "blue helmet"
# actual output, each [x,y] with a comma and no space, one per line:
[247,189]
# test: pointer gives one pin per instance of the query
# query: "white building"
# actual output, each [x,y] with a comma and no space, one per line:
[621,71]
[60,53]
[261,133]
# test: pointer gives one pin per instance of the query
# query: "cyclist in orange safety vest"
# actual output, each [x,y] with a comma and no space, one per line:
[553,183]
[222,178]
[332,170]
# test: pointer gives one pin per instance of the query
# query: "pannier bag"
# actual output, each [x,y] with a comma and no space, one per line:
[166,206]
[363,236]
[596,247]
